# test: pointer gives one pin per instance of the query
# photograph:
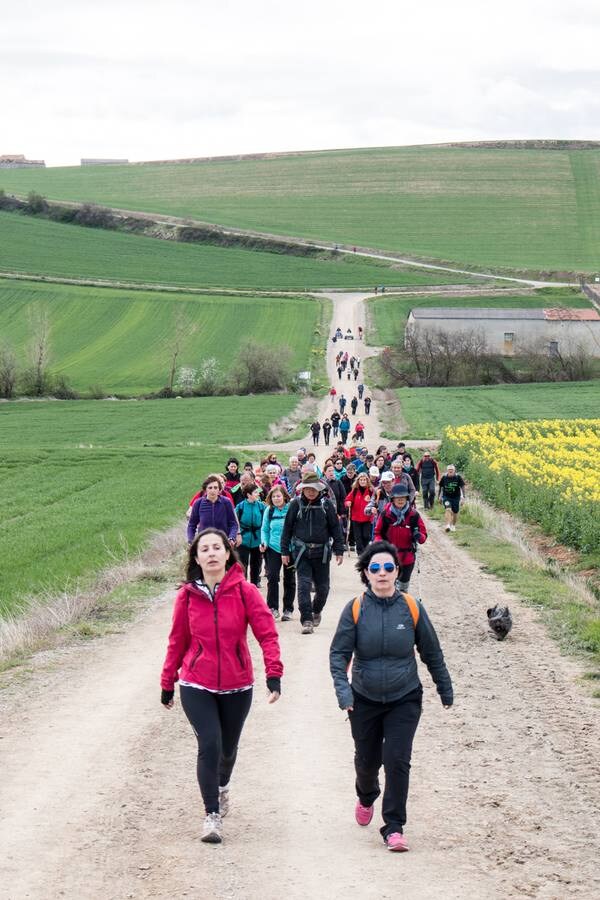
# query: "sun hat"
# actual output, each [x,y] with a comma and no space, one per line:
[312,480]
[374,471]
[387,476]
[400,490]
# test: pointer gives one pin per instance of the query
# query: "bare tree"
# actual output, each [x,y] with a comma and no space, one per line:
[39,349]
[182,328]
[8,372]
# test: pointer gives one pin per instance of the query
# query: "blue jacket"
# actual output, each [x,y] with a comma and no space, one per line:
[250,516]
[219,514]
[382,648]
[272,526]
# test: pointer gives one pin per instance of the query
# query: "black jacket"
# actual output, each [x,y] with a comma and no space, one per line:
[313,523]
[339,492]
[384,667]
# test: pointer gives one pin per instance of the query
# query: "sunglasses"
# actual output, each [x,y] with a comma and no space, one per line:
[387,567]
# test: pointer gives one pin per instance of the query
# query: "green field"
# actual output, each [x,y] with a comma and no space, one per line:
[388,314]
[427,411]
[528,208]
[69,511]
[121,340]
[36,246]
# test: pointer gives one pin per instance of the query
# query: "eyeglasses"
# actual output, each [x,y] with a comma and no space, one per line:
[387,567]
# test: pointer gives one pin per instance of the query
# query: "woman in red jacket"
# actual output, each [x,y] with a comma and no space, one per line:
[357,501]
[401,525]
[208,653]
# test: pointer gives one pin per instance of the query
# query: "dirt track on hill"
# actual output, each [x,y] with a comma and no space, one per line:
[98,796]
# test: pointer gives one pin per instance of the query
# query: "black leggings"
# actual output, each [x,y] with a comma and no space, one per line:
[217,720]
[274,564]
[253,556]
[362,535]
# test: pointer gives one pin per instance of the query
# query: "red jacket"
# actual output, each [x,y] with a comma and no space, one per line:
[357,501]
[207,644]
[400,535]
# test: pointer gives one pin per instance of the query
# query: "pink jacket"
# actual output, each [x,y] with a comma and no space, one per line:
[207,644]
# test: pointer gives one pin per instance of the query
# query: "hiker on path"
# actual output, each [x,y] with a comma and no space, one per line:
[359,431]
[383,494]
[357,503]
[335,422]
[401,525]
[333,395]
[208,653]
[379,632]
[211,510]
[451,490]
[250,515]
[311,534]
[360,388]
[340,369]
[401,477]
[356,374]
[273,521]
[409,467]
[326,431]
[360,332]
[354,404]
[232,478]
[292,475]
[429,473]
[367,402]
[342,403]
[315,429]
[336,488]
[344,428]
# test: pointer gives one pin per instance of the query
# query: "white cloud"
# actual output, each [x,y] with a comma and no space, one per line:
[148,80]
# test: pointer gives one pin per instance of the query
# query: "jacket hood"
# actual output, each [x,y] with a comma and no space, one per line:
[232,577]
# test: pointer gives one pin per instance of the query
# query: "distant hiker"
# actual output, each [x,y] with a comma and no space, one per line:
[401,525]
[326,431]
[211,510]
[344,428]
[315,429]
[342,403]
[429,472]
[359,430]
[232,478]
[367,402]
[340,369]
[333,394]
[360,333]
[336,488]
[311,534]
[356,374]
[208,652]
[402,477]
[451,490]
[353,405]
[378,633]
[278,501]
[360,388]
[357,503]
[335,422]
[409,467]
[250,514]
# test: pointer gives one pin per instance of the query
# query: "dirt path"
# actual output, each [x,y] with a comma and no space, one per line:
[98,792]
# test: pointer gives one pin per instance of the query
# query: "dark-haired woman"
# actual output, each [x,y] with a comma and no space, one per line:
[273,521]
[232,478]
[208,653]
[357,502]
[379,631]
[250,513]
[212,510]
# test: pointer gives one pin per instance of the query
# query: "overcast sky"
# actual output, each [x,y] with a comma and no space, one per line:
[146,80]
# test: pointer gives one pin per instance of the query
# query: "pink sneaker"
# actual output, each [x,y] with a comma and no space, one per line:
[396,842]
[363,814]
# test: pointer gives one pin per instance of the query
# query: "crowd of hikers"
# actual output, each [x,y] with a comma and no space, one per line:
[288,521]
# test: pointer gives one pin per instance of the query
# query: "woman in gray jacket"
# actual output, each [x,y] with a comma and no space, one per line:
[379,631]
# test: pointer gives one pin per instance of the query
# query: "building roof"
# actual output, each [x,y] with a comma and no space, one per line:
[488,314]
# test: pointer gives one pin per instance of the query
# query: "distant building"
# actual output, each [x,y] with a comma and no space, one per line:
[104,162]
[18,161]
[508,331]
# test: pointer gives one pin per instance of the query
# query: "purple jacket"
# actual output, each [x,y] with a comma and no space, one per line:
[219,514]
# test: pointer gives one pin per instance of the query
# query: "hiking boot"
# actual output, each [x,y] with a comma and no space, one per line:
[212,830]
[223,801]
[396,842]
[275,613]
[447,527]
[307,628]
[362,814]
[316,619]
[453,528]
[287,615]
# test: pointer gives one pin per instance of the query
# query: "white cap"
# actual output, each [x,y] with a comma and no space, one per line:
[373,470]
[387,476]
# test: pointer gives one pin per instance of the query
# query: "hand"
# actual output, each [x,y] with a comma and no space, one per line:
[349,709]
[238,539]
[339,560]
[273,697]
[263,548]
[166,698]
[285,560]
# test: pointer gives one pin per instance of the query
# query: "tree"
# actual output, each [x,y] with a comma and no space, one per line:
[182,328]
[8,372]
[39,350]
[259,368]
[36,204]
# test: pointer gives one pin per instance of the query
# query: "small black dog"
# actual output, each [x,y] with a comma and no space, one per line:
[499,621]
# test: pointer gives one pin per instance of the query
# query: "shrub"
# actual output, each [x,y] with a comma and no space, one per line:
[260,368]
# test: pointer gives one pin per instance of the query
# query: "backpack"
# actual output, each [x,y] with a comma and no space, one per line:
[410,602]
[412,516]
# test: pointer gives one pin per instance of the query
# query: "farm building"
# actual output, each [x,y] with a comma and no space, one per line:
[508,331]
[104,162]
[18,161]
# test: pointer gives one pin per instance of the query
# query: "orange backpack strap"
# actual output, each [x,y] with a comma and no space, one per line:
[413,607]
[356,609]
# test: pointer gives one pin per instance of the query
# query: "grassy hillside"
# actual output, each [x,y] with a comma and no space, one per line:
[121,339]
[41,247]
[427,411]
[69,512]
[520,208]
[388,314]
